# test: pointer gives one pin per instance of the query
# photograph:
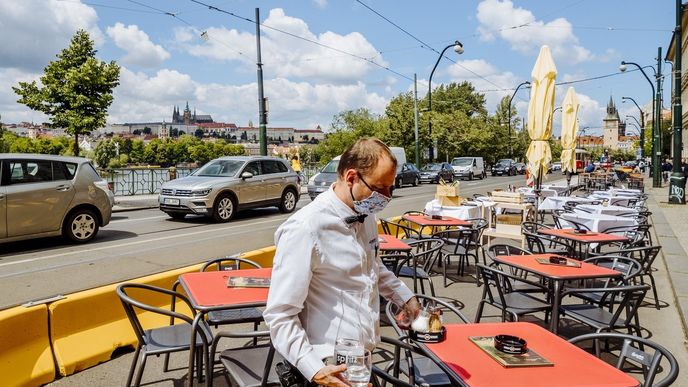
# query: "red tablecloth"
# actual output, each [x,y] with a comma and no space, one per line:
[589,237]
[530,264]
[209,289]
[391,243]
[572,366]
[427,221]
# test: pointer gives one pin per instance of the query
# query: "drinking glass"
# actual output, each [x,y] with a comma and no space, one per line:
[358,368]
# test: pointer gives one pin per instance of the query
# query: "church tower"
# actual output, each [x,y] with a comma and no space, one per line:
[187,114]
[612,127]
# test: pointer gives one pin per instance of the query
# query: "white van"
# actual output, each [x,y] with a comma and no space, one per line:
[469,167]
[400,154]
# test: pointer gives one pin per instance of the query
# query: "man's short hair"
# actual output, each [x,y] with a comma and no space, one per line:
[364,156]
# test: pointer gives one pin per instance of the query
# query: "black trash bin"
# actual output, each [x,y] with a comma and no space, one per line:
[677,189]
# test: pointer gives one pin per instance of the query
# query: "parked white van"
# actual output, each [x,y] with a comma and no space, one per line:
[469,167]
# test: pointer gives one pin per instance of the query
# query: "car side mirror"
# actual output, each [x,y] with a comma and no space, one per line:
[246,175]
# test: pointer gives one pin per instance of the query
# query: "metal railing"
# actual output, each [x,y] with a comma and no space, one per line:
[139,181]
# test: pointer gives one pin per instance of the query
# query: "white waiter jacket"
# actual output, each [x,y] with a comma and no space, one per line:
[317,256]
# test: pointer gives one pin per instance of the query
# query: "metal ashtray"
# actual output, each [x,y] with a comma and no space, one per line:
[512,345]
[428,337]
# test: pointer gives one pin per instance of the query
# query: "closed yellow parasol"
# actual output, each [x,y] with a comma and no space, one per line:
[569,130]
[540,110]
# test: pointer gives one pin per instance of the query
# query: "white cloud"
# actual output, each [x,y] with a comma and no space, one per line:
[498,18]
[13,112]
[286,56]
[140,50]
[320,3]
[492,79]
[140,97]
[34,31]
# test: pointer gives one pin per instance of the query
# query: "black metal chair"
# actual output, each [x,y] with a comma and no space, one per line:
[248,365]
[462,243]
[161,340]
[646,256]
[546,244]
[628,267]
[420,263]
[503,249]
[624,314]
[632,350]
[400,231]
[498,293]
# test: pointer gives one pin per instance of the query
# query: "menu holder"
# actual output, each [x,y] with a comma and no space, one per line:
[528,359]
[561,262]
[248,282]
[434,217]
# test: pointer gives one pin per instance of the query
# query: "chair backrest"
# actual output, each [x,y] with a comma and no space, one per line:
[130,304]
[229,263]
[493,278]
[536,243]
[392,310]
[504,249]
[401,231]
[631,297]
[425,252]
[533,227]
[631,352]
[627,266]
[645,255]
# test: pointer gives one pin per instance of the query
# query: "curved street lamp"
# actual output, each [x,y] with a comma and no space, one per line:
[656,182]
[642,124]
[458,48]
[509,112]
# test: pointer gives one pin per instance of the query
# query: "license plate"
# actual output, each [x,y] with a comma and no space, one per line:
[174,202]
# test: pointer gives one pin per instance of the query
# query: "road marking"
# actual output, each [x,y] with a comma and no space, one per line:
[137,219]
[81,251]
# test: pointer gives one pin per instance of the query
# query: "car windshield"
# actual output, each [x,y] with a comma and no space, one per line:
[220,168]
[503,163]
[432,167]
[462,162]
[331,167]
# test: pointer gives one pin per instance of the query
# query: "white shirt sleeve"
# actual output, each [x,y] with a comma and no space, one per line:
[295,256]
[391,287]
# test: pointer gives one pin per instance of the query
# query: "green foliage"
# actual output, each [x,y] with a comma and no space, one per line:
[76,89]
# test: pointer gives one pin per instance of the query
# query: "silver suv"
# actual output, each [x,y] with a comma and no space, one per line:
[222,186]
[46,195]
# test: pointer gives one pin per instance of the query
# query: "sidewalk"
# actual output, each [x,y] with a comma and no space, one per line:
[669,222]
[142,202]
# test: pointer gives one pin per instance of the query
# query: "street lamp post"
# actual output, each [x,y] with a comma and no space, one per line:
[656,176]
[509,112]
[642,125]
[458,48]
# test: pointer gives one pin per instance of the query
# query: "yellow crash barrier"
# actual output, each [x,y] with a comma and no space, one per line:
[26,358]
[88,326]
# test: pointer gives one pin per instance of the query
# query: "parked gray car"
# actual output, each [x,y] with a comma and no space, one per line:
[47,195]
[225,185]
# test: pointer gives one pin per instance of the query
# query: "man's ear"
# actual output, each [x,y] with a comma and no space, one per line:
[350,176]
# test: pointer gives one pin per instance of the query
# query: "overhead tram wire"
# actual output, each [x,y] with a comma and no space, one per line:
[211,7]
[201,33]
[109,6]
[424,45]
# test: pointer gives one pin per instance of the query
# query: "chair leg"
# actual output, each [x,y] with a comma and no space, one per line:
[133,365]
[432,287]
[139,374]
[479,312]
[654,290]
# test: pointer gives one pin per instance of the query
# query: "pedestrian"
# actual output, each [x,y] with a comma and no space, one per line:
[329,247]
[685,168]
[666,170]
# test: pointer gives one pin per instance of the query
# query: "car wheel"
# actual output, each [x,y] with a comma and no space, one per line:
[451,178]
[416,181]
[223,210]
[81,226]
[288,201]
[177,215]
[470,176]
[399,183]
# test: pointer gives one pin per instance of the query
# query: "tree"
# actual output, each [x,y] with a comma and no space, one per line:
[136,132]
[104,152]
[147,130]
[198,133]
[76,89]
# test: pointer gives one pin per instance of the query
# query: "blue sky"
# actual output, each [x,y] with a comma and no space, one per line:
[165,61]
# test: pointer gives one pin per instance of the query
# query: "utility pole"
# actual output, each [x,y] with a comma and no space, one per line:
[677,185]
[262,113]
[415,117]
[657,126]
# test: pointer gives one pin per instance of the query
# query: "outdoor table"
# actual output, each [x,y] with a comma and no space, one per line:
[390,243]
[561,189]
[557,202]
[464,212]
[424,221]
[466,364]
[588,240]
[544,192]
[556,275]
[599,222]
[606,210]
[208,291]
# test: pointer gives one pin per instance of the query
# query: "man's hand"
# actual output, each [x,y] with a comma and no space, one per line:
[331,375]
[408,313]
